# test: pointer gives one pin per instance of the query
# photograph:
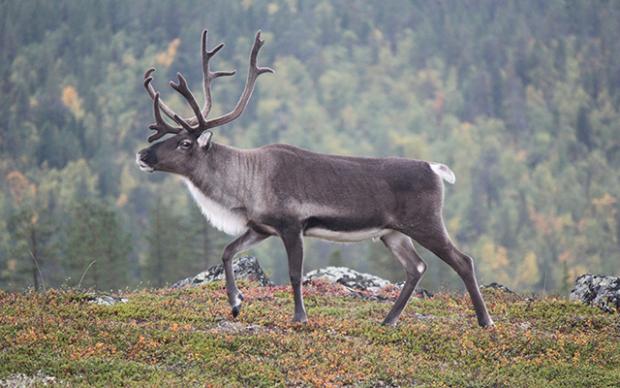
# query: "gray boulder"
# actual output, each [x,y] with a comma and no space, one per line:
[245,267]
[106,300]
[359,281]
[598,290]
[20,380]
[497,286]
[349,278]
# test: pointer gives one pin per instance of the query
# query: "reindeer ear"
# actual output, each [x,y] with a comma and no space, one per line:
[205,139]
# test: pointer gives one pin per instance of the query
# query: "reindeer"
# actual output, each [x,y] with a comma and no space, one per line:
[288,192]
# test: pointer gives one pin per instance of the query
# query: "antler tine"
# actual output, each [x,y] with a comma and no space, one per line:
[148,78]
[199,122]
[182,88]
[160,124]
[258,43]
[253,73]
[207,75]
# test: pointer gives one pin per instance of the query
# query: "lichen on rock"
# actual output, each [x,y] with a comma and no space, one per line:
[349,278]
[598,290]
[245,267]
[364,285]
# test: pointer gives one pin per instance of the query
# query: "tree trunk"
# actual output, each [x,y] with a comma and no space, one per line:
[34,253]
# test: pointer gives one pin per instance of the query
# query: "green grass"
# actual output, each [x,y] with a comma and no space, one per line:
[186,338]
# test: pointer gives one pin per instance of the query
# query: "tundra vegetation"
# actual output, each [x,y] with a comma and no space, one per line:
[519,98]
[184,337]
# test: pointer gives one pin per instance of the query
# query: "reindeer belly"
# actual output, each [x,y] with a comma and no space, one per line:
[346,236]
[218,215]
[341,225]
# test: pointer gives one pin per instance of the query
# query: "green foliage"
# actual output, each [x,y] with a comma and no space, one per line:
[165,243]
[520,98]
[95,236]
[33,251]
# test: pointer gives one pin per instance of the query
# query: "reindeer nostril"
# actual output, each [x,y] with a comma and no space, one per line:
[143,155]
[146,159]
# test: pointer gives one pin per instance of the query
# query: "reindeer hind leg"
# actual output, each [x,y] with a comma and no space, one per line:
[402,248]
[434,237]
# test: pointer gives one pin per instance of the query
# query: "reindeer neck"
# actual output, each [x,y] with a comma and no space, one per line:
[222,175]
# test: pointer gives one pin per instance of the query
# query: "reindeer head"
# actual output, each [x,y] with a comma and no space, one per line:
[192,137]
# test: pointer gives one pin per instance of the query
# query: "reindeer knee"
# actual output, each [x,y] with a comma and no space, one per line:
[227,255]
[295,279]
[416,270]
[420,267]
[465,264]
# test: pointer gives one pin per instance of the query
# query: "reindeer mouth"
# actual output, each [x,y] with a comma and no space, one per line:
[143,166]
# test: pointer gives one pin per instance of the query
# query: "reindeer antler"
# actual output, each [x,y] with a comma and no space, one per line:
[207,75]
[253,74]
[198,122]
[160,124]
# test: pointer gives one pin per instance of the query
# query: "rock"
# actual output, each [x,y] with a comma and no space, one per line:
[424,317]
[245,267]
[349,278]
[421,293]
[106,300]
[497,286]
[598,290]
[236,327]
[357,281]
[21,380]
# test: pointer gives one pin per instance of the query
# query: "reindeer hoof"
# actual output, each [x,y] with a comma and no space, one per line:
[236,310]
[390,321]
[487,323]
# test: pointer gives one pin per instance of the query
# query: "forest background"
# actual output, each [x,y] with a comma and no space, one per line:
[520,98]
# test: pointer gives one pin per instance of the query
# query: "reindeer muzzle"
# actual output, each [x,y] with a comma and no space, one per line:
[146,159]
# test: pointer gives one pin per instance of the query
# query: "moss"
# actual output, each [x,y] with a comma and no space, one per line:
[185,337]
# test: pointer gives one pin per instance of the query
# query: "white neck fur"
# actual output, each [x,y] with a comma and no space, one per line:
[218,215]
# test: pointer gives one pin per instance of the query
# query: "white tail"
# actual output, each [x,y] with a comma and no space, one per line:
[444,172]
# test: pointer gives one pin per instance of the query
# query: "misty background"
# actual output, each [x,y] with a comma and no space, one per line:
[520,98]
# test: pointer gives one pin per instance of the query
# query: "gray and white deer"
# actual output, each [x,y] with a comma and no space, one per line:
[284,191]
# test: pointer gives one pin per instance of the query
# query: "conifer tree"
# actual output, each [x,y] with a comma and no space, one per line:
[95,234]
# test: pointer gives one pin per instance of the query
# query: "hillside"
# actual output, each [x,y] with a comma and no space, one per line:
[519,97]
[169,337]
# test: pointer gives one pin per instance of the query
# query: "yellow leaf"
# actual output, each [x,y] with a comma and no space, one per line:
[272,8]
[527,273]
[603,201]
[71,99]
[19,186]
[166,58]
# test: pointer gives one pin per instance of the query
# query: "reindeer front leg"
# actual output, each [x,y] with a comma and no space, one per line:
[293,243]
[246,240]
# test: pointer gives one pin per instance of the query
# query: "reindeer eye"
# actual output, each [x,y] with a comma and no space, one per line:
[185,144]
